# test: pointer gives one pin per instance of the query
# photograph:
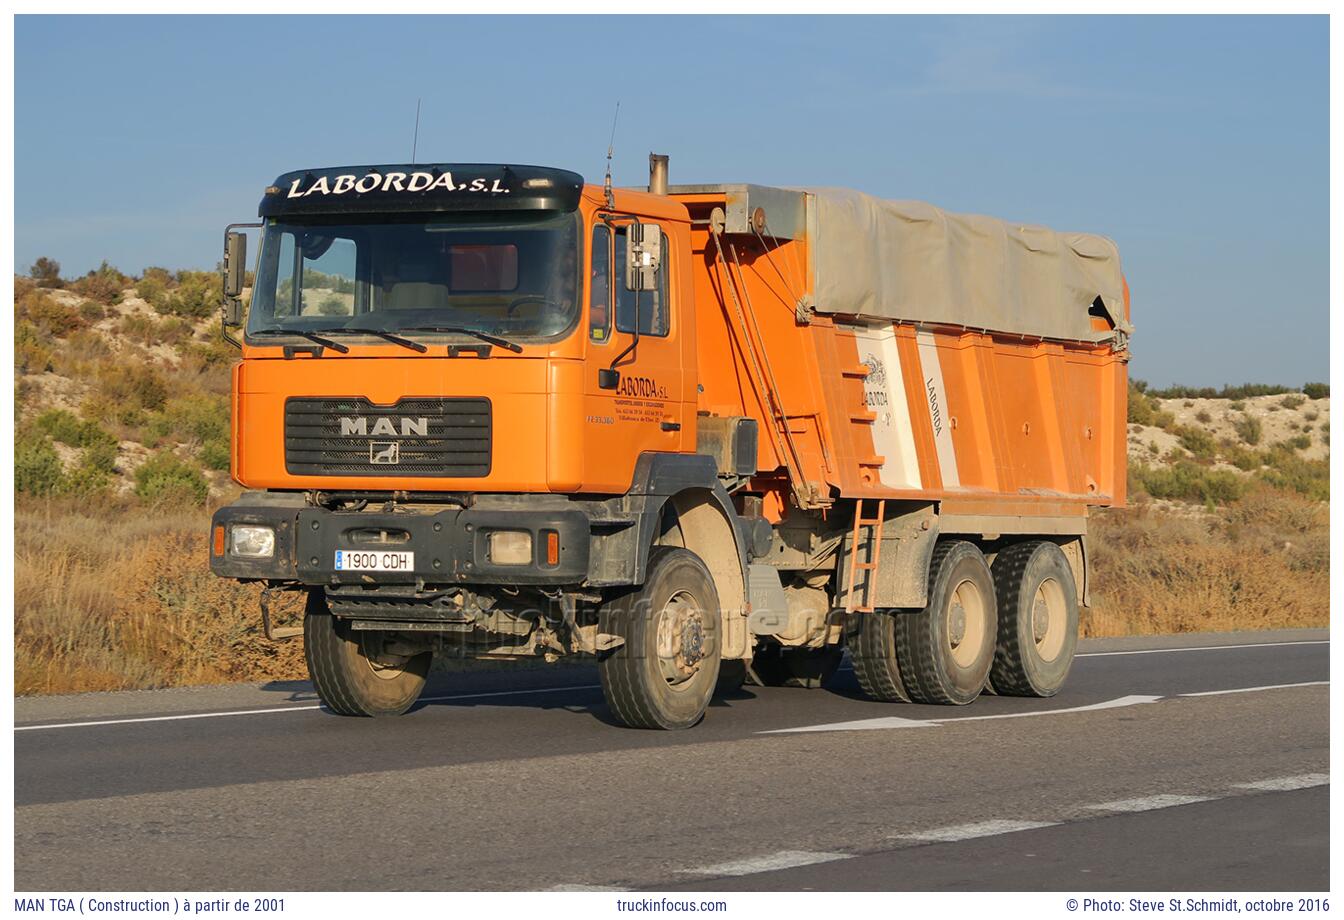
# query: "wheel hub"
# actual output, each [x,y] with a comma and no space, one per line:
[681,639]
[1040,619]
[956,624]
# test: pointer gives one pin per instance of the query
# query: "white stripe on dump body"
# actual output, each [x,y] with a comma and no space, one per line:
[935,400]
[884,392]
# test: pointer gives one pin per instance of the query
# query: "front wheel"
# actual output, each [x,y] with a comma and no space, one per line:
[353,672]
[665,672]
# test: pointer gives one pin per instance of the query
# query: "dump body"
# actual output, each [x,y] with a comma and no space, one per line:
[1004,421]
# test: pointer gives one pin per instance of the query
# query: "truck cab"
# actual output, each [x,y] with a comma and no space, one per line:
[466,394]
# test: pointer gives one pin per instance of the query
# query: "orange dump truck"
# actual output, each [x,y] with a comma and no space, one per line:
[706,434]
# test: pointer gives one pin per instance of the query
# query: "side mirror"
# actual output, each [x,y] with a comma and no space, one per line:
[235,266]
[643,255]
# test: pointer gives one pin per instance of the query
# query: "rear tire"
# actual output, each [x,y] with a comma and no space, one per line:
[664,675]
[948,647]
[876,661]
[1038,619]
[351,672]
[808,668]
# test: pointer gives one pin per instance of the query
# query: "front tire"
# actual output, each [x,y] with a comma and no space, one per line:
[664,675]
[1038,620]
[353,674]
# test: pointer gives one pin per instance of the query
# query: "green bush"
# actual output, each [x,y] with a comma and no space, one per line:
[152,290]
[1203,417]
[1288,470]
[1316,390]
[1198,441]
[101,456]
[1141,409]
[165,479]
[1292,401]
[1301,442]
[1243,459]
[68,428]
[198,294]
[1244,391]
[37,466]
[86,481]
[201,419]
[104,284]
[215,454]
[1249,429]
[1188,481]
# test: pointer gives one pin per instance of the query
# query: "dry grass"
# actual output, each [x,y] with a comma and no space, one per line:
[1261,563]
[117,601]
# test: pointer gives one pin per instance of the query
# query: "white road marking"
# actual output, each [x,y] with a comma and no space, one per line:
[785,859]
[897,722]
[1309,683]
[584,888]
[254,712]
[1117,703]
[1149,803]
[1287,783]
[972,831]
[1201,648]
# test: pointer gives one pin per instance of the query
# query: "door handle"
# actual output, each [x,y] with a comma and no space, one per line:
[671,426]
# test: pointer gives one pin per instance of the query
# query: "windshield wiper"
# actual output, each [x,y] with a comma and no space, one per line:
[381,333]
[465,330]
[303,333]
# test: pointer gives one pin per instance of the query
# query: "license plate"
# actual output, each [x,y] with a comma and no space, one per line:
[348,560]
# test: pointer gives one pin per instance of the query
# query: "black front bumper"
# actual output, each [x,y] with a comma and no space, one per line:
[450,543]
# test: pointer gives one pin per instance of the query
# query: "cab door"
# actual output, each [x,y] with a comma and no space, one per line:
[640,407]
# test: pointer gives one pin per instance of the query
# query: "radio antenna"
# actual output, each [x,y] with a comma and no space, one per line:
[415,141]
[611,145]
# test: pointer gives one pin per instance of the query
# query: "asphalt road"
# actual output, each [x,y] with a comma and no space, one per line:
[1146,773]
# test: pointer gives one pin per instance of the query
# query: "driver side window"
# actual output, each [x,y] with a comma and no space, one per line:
[599,298]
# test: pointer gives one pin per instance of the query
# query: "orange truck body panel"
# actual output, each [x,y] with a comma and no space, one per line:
[984,422]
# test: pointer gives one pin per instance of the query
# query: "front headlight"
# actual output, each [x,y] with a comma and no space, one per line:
[252,540]
[510,547]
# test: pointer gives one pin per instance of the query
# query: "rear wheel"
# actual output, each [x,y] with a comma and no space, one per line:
[947,648]
[665,672]
[1038,619]
[876,662]
[352,670]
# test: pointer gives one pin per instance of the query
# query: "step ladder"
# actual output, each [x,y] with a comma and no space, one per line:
[869,568]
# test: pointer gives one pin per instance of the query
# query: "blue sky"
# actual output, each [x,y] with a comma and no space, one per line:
[1199,144]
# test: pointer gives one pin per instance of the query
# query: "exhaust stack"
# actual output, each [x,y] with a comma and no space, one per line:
[657,174]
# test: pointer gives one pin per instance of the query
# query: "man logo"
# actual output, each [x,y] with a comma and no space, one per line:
[359,427]
[384,453]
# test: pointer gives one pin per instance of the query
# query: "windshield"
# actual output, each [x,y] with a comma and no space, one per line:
[513,276]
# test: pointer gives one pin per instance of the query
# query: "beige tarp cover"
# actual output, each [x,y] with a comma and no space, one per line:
[911,261]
